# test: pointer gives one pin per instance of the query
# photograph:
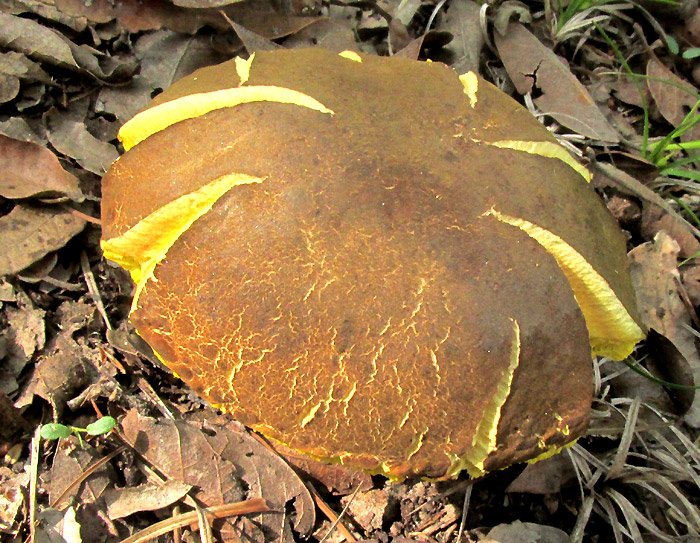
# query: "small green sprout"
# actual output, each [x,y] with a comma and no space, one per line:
[58,431]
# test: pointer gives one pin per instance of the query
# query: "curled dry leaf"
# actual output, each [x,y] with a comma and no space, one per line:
[534,67]
[217,460]
[654,270]
[30,170]
[29,232]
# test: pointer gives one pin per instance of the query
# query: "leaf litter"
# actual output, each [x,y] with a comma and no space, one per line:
[73,72]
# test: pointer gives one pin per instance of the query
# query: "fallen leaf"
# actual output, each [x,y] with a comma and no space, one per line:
[72,459]
[165,56]
[12,422]
[29,232]
[655,219]
[122,502]
[26,325]
[30,170]
[332,34]
[59,376]
[526,532]
[462,21]
[338,479]
[71,138]
[654,271]
[35,40]
[204,3]
[691,282]
[18,65]
[13,487]
[535,69]
[547,476]
[253,42]
[58,526]
[216,460]
[368,508]
[18,128]
[674,96]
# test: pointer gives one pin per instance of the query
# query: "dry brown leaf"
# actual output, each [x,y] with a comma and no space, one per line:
[122,502]
[655,219]
[655,276]
[56,526]
[30,170]
[13,487]
[216,460]
[333,34]
[59,376]
[526,532]
[535,68]
[673,96]
[69,462]
[338,479]
[368,509]
[137,16]
[71,138]
[545,477]
[35,40]
[26,326]
[18,65]
[165,56]
[29,232]
[462,21]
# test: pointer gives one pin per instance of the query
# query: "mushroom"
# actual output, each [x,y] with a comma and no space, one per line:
[373,260]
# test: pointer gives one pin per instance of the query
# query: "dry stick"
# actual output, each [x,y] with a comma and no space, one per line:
[204,526]
[256,505]
[335,523]
[465,508]
[326,509]
[89,471]
[34,470]
[92,288]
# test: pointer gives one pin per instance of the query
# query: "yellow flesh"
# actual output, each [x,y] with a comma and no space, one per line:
[546,149]
[243,68]
[470,85]
[612,331]
[159,117]
[351,55]
[139,249]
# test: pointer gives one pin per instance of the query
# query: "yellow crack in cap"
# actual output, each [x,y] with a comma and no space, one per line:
[412,285]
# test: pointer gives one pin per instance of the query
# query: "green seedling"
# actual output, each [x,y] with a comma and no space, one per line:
[100,427]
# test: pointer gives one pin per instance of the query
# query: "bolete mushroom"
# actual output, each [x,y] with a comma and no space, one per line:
[373,260]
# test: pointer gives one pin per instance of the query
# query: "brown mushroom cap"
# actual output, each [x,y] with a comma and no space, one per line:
[379,273]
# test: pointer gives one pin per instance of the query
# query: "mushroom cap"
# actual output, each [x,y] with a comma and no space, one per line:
[372,260]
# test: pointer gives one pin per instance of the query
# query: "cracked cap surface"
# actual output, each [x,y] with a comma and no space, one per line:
[400,278]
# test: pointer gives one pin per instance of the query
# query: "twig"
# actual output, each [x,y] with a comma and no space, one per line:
[256,505]
[465,508]
[92,288]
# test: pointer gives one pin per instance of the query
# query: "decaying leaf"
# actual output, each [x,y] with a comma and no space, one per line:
[11,498]
[30,170]
[29,232]
[218,461]
[534,67]
[655,219]
[122,502]
[654,270]
[372,272]
[56,526]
